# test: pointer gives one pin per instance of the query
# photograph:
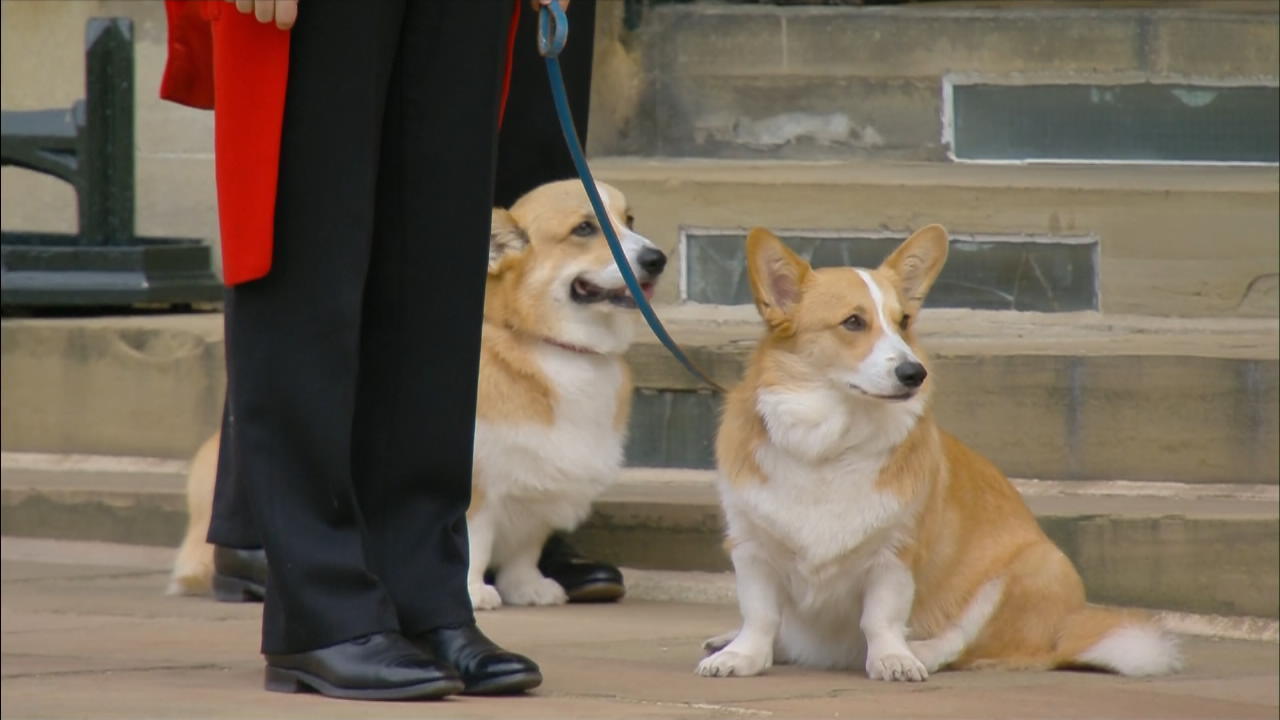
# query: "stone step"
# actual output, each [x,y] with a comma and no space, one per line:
[1071,395]
[1060,396]
[1168,240]
[1192,548]
[771,81]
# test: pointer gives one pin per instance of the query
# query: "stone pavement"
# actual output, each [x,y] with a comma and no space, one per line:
[88,634]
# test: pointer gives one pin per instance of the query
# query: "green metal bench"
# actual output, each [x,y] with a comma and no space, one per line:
[91,146]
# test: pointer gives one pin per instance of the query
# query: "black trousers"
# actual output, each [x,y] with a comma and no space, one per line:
[531,152]
[352,365]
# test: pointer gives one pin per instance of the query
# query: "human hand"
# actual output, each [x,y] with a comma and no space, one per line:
[283,12]
[537,4]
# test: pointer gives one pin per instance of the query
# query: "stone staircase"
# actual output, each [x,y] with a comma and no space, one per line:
[1138,402]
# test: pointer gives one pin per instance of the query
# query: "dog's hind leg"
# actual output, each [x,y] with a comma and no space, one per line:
[193,565]
[718,643]
[947,646]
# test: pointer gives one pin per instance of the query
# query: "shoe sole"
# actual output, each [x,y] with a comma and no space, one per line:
[506,684]
[284,680]
[597,593]
[236,590]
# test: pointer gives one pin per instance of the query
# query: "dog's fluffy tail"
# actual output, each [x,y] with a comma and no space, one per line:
[1128,643]
[193,566]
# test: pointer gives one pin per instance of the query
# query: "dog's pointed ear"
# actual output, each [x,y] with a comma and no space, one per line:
[506,239]
[777,275]
[916,264]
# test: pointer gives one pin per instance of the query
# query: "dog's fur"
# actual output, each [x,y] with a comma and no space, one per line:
[553,398]
[861,533]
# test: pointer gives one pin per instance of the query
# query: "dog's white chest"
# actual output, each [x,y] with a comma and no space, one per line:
[823,515]
[578,453]
[819,502]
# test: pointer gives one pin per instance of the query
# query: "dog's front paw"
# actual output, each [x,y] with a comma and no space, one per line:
[732,662]
[484,597]
[532,591]
[896,668]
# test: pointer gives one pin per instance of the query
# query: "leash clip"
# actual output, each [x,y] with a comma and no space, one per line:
[553,29]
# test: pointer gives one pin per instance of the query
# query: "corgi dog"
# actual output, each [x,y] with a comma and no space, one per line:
[553,398]
[863,535]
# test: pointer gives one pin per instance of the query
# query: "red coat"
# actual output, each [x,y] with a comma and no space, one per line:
[218,52]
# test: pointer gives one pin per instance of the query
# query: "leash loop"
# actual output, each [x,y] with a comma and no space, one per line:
[553,30]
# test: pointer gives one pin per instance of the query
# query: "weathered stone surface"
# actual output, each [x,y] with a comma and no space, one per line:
[798,117]
[1233,47]
[1050,396]
[143,385]
[1170,548]
[741,73]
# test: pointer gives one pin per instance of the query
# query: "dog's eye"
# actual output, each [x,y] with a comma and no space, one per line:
[585,228]
[905,322]
[631,221]
[854,322]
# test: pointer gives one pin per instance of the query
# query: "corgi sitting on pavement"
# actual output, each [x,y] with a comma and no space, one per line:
[862,535]
[553,399]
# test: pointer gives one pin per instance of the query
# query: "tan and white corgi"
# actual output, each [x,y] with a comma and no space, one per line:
[861,533]
[553,399]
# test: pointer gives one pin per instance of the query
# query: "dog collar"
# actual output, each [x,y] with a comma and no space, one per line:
[549,340]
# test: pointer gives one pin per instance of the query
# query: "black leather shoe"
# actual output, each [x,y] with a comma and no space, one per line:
[583,580]
[382,666]
[239,575]
[486,669]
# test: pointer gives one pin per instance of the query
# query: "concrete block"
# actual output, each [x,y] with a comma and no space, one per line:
[798,117]
[112,386]
[923,42]
[1240,47]
[714,41]
[1197,564]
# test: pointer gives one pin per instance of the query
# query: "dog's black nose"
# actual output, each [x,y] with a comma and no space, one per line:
[652,260]
[910,374]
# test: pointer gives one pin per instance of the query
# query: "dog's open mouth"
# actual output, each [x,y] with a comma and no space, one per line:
[586,292]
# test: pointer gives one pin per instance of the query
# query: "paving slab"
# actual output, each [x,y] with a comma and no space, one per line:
[87,633]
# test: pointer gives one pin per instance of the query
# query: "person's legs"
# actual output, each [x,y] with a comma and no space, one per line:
[423,308]
[293,337]
[420,350]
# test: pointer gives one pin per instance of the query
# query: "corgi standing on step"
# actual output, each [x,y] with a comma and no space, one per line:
[861,533]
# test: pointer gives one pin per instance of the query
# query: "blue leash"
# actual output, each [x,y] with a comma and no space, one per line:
[553,30]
